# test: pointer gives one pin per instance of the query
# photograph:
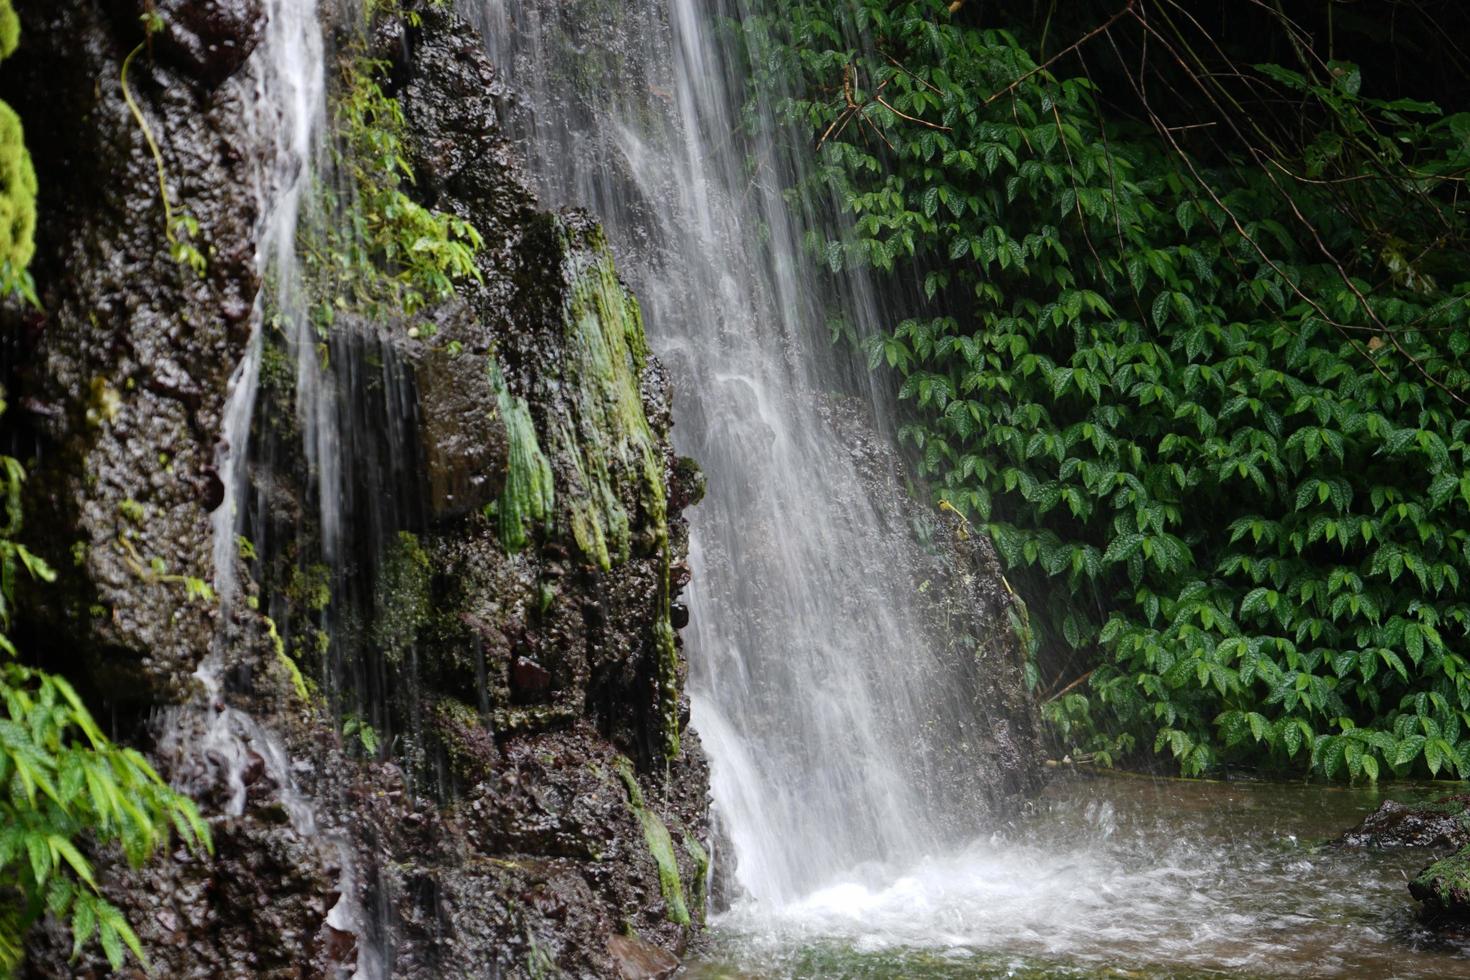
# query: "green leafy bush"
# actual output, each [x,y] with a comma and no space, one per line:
[1215,427]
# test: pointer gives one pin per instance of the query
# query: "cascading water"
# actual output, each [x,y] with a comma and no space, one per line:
[833,718]
[213,742]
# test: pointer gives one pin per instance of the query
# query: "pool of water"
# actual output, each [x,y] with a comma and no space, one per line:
[1116,876]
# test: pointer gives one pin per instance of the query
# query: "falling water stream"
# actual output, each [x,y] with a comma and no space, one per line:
[825,711]
[819,703]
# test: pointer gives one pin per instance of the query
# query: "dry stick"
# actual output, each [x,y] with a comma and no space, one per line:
[1311,229]
[1344,204]
[1240,228]
[921,122]
[1294,31]
[1070,686]
[900,66]
[1113,186]
[1076,192]
[1127,9]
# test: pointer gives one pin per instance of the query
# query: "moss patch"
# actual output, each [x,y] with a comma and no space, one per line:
[698,894]
[660,845]
[607,434]
[403,597]
[608,439]
[1445,884]
[529,495]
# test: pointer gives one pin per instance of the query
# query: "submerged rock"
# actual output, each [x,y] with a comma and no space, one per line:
[1443,887]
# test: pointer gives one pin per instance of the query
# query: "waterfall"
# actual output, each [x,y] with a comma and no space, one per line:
[289,104]
[823,701]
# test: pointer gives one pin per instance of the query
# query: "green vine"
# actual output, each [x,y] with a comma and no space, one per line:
[179,226]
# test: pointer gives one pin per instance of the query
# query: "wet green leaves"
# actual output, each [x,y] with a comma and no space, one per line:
[1231,476]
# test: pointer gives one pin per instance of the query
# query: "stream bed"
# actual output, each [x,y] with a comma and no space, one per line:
[1117,876]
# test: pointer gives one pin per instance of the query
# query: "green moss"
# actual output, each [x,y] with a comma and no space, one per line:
[529,495]
[17,186]
[1447,880]
[660,845]
[608,439]
[455,723]
[403,595]
[607,435]
[701,873]
[9,29]
[284,659]
[310,587]
[277,370]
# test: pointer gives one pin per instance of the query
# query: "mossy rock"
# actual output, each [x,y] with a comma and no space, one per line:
[660,846]
[1443,823]
[1444,887]
[17,189]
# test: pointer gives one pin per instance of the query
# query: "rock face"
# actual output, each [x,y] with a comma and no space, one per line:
[972,616]
[459,749]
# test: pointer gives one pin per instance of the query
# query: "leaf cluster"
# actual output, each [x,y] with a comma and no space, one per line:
[1212,420]
[369,245]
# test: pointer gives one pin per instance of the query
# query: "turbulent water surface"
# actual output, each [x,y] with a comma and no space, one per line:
[1116,877]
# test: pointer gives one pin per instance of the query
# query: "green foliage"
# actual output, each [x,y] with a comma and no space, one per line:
[375,248]
[1229,472]
[65,787]
[354,726]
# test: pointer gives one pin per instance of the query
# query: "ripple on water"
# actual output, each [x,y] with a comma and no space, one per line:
[1111,877]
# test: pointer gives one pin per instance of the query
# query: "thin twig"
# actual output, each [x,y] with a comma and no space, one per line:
[1127,9]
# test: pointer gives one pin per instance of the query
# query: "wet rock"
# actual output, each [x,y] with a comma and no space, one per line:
[528,678]
[1443,887]
[464,441]
[966,606]
[1444,823]
[489,824]
[637,960]
[210,39]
